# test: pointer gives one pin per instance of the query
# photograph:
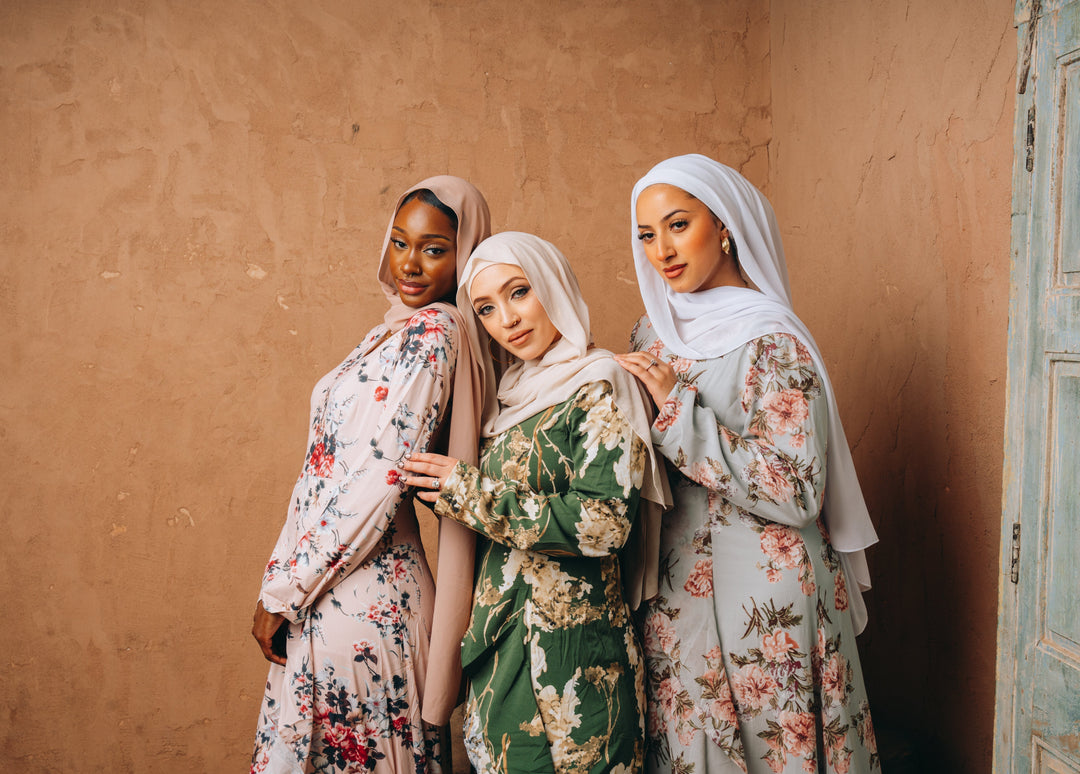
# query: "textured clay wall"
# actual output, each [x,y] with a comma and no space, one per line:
[890,168]
[193,198]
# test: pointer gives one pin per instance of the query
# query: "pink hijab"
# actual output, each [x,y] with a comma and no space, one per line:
[457,544]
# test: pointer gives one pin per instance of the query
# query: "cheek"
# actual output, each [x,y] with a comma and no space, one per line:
[539,317]
[445,276]
[703,244]
[490,326]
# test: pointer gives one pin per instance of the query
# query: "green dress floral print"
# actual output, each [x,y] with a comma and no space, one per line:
[750,646]
[555,672]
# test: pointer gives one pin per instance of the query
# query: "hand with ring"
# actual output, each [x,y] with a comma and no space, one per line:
[655,375]
[427,472]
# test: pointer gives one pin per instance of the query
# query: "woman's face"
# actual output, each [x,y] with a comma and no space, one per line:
[422,255]
[682,239]
[511,313]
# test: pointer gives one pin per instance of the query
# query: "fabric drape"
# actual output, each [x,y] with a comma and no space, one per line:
[711,323]
[528,387]
[457,544]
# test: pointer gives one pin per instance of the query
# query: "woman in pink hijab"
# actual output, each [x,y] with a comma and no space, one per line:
[347,604]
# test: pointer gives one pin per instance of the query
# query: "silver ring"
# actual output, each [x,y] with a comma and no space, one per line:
[435,483]
[654,362]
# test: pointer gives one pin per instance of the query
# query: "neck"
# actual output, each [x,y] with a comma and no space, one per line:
[729,277]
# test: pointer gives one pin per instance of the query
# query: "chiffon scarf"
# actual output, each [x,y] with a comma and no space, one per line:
[457,544]
[711,323]
[528,387]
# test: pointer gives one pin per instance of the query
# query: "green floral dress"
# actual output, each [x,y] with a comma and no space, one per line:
[555,672]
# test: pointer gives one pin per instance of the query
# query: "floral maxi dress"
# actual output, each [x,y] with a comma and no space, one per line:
[349,571]
[556,678]
[752,663]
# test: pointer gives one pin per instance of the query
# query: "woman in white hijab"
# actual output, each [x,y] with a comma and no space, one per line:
[750,644]
[555,671]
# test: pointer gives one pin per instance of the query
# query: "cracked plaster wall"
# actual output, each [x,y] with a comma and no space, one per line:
[891,170]
[194,196]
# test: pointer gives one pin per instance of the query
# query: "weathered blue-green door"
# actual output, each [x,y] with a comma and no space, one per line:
[1038,695]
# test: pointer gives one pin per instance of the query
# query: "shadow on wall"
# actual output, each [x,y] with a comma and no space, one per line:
[914,590]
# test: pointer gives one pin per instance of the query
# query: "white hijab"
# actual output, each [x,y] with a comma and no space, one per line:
[711,323]
[529,387]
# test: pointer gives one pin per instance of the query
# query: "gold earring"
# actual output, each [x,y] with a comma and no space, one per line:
[725,245]
[496,358]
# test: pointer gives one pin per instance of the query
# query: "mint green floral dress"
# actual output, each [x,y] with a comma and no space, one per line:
[555,672]
[752,663]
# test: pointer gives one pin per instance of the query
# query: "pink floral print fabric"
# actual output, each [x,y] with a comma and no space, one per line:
[349,569]
[752,662]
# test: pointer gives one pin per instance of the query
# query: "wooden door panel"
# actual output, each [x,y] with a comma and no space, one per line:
[1069,188]
[1063,307]
[1046,760]
[1038,720]
[1061,572]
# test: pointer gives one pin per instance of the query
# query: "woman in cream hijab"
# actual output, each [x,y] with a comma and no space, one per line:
[555,671]
[347,598]
[751,640]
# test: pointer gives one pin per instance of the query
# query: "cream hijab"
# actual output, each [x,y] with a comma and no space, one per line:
[529,387]
[457,544]
[711,323]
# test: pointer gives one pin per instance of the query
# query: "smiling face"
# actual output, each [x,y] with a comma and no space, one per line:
[422,254]
[682,240]
[511,313]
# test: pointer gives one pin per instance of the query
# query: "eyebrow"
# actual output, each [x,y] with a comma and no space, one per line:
[502,287]
[666,218]
[424,236]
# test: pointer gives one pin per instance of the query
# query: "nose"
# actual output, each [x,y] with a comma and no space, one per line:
[508,317]
[665,246]
[411,263]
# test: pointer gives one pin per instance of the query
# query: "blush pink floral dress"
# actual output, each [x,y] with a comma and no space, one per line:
[349,569]
[752,662]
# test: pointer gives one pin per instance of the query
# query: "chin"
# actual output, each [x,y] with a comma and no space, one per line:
[683,285]
[533,351]
[528,355]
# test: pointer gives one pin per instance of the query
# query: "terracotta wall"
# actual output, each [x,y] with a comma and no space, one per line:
[193,198]
[890,166]
[194,194]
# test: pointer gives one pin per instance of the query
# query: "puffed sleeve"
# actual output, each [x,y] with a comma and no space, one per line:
[773,465]
[334,524]
[593,517]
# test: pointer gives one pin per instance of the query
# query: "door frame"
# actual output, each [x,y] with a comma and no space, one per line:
[1019,531]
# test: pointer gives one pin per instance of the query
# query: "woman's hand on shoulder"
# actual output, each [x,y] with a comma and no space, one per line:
[264,625]
[655,375]
[428,473]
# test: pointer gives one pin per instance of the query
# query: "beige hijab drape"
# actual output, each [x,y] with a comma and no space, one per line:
[457,544]
[528,387]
